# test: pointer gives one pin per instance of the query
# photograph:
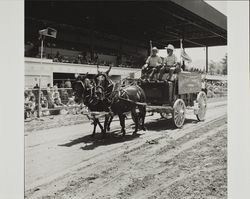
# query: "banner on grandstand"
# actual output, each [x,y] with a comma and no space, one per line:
[49,32]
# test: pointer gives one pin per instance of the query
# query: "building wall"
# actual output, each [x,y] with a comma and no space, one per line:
[34,69]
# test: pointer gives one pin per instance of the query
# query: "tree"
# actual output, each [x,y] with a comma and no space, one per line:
[224,65]
[212,67]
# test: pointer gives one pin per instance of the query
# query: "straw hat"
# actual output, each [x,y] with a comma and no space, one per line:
[170,47]
[155,49]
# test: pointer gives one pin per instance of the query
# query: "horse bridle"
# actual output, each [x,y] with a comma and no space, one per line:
[105,89]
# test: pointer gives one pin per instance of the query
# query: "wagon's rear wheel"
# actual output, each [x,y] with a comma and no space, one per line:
[202,106]
[179,112]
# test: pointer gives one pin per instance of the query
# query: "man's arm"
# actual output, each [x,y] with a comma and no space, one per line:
[146,64]
[159,61]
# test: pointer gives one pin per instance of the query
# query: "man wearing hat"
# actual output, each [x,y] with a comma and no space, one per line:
[152,63]
[170,62]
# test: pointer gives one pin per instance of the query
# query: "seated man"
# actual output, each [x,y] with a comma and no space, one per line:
[152,63]
[170,63]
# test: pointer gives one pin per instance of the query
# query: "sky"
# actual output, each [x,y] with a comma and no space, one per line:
[198,55]
[219,5]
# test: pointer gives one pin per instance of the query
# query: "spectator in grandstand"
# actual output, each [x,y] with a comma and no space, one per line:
[27,105]
[56,95]
[78,59]
[55,87]
[70,104]
[50,96]
[68,83]
[48,87]
[95,60]
[58,103]
[64,95]
[36,86]
[58,57]
[32,104]
[30,94]
[88,57]
[26,96]
[62,85]
[44,106]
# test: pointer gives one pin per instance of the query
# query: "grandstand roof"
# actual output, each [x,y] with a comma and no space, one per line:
[163,22]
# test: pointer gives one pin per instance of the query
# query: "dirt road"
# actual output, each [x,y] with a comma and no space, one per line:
[161,162]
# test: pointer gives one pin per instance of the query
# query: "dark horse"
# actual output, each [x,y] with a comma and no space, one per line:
[84,91]
[121,100]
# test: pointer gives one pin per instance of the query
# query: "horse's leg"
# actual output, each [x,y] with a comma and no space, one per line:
[109,122]
[101,127]
[122,123]
[106,123]
[95,123]
[135,115]
[142,117]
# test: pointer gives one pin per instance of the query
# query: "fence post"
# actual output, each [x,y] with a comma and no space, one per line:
[39,99]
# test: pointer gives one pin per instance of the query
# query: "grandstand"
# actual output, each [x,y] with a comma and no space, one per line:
[113,34]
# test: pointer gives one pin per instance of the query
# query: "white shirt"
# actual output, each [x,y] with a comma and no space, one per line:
[170,60]
[154,61]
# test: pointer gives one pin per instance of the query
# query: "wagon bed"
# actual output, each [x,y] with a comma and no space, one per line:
[173,97]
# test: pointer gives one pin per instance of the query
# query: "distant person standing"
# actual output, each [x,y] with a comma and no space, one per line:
[36,92]
[62,84]
[95,58]
[50,96]
[67,84]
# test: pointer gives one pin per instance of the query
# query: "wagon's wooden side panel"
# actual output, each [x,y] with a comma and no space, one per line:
[158,93]
[189,83]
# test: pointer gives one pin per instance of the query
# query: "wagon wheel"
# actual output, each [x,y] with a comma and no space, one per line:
[202,106]
[179,111]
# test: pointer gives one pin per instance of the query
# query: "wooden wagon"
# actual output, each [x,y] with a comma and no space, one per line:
[174,97]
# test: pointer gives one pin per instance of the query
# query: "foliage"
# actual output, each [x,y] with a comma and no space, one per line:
[218,68]
[224,65]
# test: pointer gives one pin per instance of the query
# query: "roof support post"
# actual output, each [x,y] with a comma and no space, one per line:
[206,59]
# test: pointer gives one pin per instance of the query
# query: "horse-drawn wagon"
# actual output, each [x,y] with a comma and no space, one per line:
[169,98]
[172,98]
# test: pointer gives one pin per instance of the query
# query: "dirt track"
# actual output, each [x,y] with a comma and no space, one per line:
[161,162]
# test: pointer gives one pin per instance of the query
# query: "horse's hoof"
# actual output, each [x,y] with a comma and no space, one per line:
[135,132]
[143,128]
[108,128]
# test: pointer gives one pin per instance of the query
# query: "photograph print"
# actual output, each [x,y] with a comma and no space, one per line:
[125,99]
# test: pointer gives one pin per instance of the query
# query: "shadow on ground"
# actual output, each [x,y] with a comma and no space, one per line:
[115,136]
[98,140]
[162,124]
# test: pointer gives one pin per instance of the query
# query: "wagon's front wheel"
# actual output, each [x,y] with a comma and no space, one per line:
[179,112]
[202,106]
